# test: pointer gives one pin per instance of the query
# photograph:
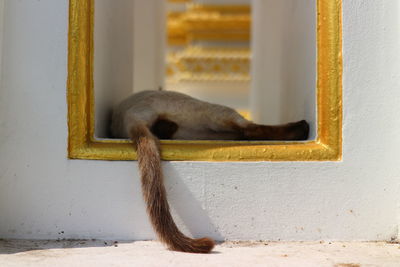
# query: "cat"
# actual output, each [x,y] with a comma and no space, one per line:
[148,116]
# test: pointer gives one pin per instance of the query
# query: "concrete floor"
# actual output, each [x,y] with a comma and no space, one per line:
[73,253]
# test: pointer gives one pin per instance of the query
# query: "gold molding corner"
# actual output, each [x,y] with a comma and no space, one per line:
[327,147]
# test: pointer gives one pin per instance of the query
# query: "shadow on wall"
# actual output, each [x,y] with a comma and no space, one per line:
[187,206]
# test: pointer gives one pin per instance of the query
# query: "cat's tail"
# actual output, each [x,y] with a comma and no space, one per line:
[154,194]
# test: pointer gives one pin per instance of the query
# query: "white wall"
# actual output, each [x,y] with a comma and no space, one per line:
[45,195]
[128,54]
[113,58]
[149,37]
[284,61]
[1,31]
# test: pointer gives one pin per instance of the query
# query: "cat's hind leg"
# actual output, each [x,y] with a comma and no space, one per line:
[243,129]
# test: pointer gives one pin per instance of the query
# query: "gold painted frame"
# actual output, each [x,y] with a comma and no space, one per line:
[328,146]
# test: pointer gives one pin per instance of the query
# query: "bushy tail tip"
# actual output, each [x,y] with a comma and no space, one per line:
[200,245]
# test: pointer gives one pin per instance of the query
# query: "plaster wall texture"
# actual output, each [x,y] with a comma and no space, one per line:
[43,195]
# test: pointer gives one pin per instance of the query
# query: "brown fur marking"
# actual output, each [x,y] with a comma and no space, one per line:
[164,128]
[155,196]
[291,131]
